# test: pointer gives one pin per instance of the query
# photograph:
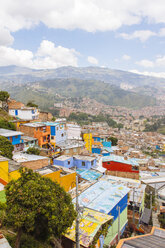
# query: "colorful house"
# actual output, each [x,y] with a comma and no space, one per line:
[4,178]
[14,137]
[90,225]
[84,162]
[29,142]
[24,113]
[64,161]
[39,131]
[107,198]
[121,166]
[87,137]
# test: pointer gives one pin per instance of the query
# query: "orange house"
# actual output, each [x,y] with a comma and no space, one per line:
[37,130]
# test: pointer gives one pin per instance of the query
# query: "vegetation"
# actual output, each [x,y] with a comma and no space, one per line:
[157,126]
[161,220]
[31,104]
[73,88]
[33,150]
[6,147]
[7,124]
[38,206]
[4,95]
[113,140]
[85,119]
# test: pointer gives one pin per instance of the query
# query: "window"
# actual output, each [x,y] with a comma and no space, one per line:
[62,135]
[108,162]
[16,137]
[83,163]
[52,137]
[92,162]
[68,161]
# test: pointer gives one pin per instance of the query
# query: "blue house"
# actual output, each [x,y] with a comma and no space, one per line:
[65,161]
[84,162]
[80,162]
[107,197]
[14,137]
[57,132]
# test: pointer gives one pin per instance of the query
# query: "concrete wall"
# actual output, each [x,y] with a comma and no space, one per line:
[25,114]
[68,163]
[60,133]
[4,171]
[84,164]
[36,164]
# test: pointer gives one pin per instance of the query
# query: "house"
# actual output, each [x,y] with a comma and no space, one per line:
[24,113]
[64,176]
[14,137]
[71,147]
[73,131]
[87,138]
[121,166]
[84,162]
[64,161]
[108,198]
[3,242]
[155,239]
[39,131]
[57,132]
[30,161]
[3,171]
[90,224]
[29,142]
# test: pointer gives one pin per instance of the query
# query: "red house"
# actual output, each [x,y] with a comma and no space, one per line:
[121,166]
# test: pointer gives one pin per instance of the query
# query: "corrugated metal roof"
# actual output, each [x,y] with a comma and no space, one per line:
[120,159]
[9,133]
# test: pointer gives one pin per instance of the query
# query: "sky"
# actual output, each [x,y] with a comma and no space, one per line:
[118,34]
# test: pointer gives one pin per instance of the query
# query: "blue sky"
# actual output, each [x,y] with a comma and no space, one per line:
[121,34]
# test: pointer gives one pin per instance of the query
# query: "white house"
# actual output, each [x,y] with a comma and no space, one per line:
[25,113]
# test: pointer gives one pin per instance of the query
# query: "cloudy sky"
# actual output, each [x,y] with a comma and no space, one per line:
[120,34]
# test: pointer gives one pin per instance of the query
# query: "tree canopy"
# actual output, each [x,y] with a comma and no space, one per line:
[6,147]
[32,104]
[7,124]
[4,95]
[33,150]
[113,140]
[39,206]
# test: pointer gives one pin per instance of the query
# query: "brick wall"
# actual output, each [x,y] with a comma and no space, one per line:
[12,104]
[29,131]
[45,116]
[37,164]
[123,174]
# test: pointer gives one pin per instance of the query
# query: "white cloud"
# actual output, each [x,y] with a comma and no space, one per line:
[89,15]
[145,63]
[147,73]
[142,35]
[126,57]
[47,56]
[5,37]
[92,60]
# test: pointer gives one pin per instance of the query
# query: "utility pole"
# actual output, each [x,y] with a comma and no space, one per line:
[77,219]
[133,205]
[118,223]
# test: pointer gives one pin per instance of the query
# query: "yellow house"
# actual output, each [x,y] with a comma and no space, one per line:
[4,168]
[87,137]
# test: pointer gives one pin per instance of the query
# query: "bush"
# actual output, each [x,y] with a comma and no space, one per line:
[7,125]
[6,147]
[33,150]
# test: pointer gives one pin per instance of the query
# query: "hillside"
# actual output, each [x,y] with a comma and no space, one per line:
[46,92]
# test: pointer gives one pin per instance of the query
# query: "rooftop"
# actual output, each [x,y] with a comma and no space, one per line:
[68,144]
[33,124]
[86,158]
[156,239]
[24,157]
[27,138]
[121,159]
[102,196]
[63,158]
[9,133]
[90,224]
[88,175]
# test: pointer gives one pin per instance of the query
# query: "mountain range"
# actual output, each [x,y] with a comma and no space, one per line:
[112,87]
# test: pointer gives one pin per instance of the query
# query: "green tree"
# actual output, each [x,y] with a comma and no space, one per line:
[4,95]
[113,140]
[33,150]
[32,104]
[39,206]
[7,125]
[6,147]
